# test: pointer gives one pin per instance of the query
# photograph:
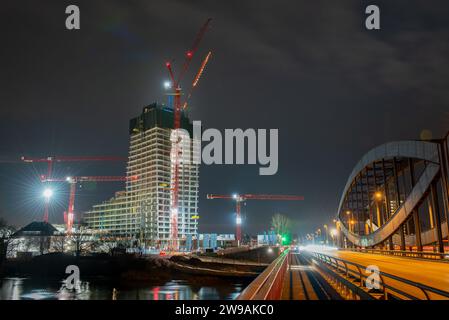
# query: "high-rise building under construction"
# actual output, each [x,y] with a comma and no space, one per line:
[141,213]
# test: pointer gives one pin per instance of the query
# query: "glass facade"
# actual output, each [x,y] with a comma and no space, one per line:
[142,211]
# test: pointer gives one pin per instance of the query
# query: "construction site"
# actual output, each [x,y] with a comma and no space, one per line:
[158,209]
[288,150]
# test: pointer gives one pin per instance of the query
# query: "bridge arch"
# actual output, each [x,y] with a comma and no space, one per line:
[397,194]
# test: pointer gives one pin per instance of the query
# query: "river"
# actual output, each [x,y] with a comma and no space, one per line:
[32,289]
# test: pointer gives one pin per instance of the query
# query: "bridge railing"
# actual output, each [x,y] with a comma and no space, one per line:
[388,284]
[403,253]
[268,285]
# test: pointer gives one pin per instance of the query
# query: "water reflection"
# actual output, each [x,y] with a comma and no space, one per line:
[32,289]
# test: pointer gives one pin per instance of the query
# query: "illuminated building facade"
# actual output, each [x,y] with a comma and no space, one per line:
[141,213]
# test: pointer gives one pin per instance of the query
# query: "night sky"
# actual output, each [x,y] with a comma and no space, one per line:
[309,68]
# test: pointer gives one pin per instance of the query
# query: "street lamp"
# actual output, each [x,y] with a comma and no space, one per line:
[378,196]
[350,218]
[333,233]
[327,234]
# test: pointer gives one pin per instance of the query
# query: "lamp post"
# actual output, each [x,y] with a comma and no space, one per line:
[340,238]
[378,197]
[48,193]
[352,224]
[327,235]
[350,219]
[333,233]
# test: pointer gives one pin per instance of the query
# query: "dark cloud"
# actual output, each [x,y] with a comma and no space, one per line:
[309,68]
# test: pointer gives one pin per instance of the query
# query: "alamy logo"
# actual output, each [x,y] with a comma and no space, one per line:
[258,150]
[73,280]
[373,280]
[72,22]
[372,22]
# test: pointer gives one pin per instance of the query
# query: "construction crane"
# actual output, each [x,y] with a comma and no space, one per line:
[73,181]
[197,78]
[240,198]
[177,109]
[50,160]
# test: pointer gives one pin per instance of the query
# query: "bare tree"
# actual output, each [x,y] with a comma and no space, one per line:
[82,241]
[58,243]
[107,243]
[6,240]
[281,224]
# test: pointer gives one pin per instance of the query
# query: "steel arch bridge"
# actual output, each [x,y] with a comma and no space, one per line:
[397,197]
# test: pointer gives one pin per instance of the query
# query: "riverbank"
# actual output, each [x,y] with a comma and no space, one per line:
[105,277]
[126,267]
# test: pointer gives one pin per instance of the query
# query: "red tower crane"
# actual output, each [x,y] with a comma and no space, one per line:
[239,198]
[177,109]
[69,215]
[50,160]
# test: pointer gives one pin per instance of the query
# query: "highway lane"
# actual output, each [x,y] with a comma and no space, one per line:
[431,273]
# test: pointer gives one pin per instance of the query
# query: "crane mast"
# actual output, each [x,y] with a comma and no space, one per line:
[240,198]
[176,149]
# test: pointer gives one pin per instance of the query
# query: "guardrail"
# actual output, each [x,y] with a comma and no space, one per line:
[268,285]
[402,253]
[388,284]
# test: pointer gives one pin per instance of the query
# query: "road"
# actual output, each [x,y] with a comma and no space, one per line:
[431,273]
[303,282]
